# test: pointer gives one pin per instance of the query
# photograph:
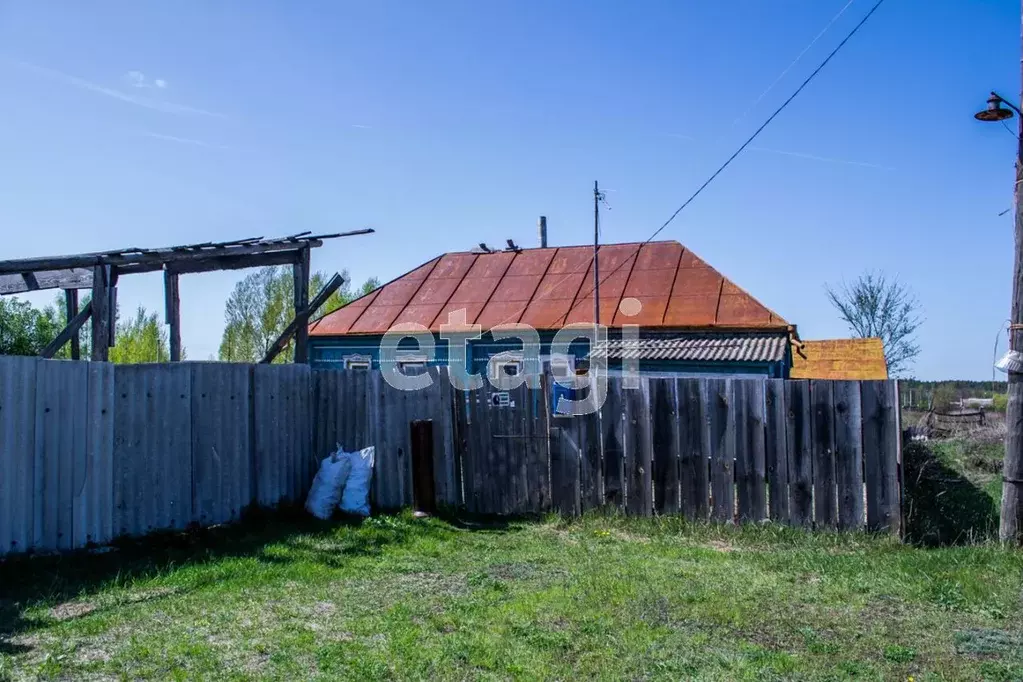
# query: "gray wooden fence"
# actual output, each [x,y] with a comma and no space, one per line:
[92,451]
[806,453]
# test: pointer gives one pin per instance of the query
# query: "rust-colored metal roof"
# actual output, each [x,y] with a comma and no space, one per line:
[850,359]
[548,288]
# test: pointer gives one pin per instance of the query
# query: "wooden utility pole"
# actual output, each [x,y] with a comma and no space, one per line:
[1011,528]
[596,270]
[172,312]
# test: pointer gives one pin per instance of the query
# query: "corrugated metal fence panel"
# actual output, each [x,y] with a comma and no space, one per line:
[94,477]
[282,432]
[221,395]
[326,412]
[61,406]
[152,448]
[17,451]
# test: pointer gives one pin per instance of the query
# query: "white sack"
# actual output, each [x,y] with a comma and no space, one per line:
[355,498]
[330,480]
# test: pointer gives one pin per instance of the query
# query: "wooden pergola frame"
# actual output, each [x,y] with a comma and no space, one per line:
[101,271]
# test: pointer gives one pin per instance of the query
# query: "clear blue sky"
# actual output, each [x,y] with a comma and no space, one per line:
[445,124]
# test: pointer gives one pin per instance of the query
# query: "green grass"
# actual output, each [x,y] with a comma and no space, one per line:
[600,597]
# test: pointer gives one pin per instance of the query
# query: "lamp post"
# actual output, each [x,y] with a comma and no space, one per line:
[1010,529]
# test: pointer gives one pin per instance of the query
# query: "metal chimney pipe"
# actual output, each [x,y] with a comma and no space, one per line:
[541,228]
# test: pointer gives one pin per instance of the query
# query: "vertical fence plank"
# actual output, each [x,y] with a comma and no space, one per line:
[880,455]
[17,452]
[740,417]
[825,500]
[694,449]
[60,452]
[439,406]
[612,426]
[750,449]
[639,447]
[152,447]
[220,441]
[800,464]
[282,432]
[776,458]
[539,449]
[564,468]
[849,455]
[664,406]
[592,462]
[94,496]
[721,438]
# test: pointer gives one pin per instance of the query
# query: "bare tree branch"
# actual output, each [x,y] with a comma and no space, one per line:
[875,305]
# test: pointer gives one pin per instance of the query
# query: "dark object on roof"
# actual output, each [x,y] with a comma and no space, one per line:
[753,347]
[549,288]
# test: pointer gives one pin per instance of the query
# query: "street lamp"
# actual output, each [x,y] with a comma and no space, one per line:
[994,111]
[1010,528]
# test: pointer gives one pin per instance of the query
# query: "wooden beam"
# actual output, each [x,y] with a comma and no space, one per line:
[71,312]
[70,332]
[100,305]
[226,263]
[77,278]
[112,306]
[173,313]
[302,318]
[164,256]
[300,273]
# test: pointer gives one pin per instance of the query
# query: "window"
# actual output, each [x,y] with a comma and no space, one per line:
[504,368]
[562,366]
[410,364]
[358,362]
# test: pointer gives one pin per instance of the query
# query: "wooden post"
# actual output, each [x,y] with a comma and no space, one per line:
[71,305]
[173,313]
[301,276]
[100,313]
[1011,527]
[423,489]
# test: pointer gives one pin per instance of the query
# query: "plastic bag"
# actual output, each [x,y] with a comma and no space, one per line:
[325,492]
[355,497]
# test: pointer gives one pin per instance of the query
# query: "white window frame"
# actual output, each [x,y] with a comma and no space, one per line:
[566,361]
[406,361]
[362,362]
[497,363]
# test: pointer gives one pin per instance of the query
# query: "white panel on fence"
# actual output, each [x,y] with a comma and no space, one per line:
[17,451]
[152,448]
[61,405]
[94,476]
[220,441]
[282,431]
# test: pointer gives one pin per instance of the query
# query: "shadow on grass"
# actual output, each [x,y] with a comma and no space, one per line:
[942,507]
[27,581]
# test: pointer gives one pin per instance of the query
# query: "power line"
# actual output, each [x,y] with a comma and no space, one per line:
[745,144]
[795,61]
[768,121]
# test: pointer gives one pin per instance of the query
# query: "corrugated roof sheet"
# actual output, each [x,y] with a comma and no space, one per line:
[700,348]
[548,288]
[850,359]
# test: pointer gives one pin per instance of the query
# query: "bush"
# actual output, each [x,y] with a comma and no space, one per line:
[1000,402]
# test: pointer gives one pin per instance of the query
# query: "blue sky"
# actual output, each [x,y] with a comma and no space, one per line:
[445,124]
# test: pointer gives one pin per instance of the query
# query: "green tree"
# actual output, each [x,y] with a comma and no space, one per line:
[141,338]
[261,306]
[24,329]
[84,334]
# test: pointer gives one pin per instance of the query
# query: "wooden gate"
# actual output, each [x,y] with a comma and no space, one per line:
[503,438]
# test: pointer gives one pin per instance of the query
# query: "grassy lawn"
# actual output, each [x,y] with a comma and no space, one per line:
[600,597]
